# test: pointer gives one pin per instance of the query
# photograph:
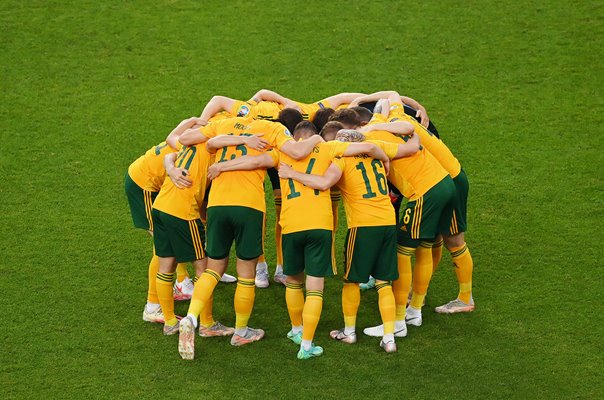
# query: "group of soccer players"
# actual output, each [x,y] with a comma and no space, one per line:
[371,151]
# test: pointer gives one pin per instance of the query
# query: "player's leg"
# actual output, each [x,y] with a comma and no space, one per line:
[437,252]
[435,210]
[293,252]
[261,279]
[152,311]
[311,315]
[279,276]
[140,203]
[422,274]
[357,267]
[248,227]
[318,262]
[456,244]
[183,285]
[164,227]
[384,269]
[219,240]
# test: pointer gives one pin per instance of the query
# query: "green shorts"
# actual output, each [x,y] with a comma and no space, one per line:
[241,224]
[370,250]
[179,238]
[459,222]
[308,251]
[428,216]
[140,202]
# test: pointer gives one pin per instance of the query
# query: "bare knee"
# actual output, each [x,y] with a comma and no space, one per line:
[454,241]
[314,283]
[246,268]
[167,265]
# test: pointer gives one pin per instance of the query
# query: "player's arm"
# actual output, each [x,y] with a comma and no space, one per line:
[220,141]
[179,176]
[216,105]
[342,98]
[244,163]
[408,148]
[372,150]
[399,128]
[172,138]
[269,95]
[382,107]
[421,112]
[385,94]
[299,150]
[198,134]
[319,182]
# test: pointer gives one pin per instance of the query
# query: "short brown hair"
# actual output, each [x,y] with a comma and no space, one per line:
[321,117]
[304,129]
[290,118]
[364,114]
[348,117]
[330,130]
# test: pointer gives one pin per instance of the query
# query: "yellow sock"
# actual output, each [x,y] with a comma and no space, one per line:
[386,304]
[422,273]
[206,318]
[402,286]
[153,268]
[165,294]
[294,299]
[244,301]
[311,313]
[181,272]
[203,292]
[464,267]
[437,254]
[351,298]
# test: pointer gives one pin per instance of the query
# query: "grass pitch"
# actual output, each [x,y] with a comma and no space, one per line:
[515,88]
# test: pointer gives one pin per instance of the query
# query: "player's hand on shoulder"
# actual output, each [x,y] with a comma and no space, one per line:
[256,142]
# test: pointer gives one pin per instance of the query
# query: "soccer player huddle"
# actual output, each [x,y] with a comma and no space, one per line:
[203,189]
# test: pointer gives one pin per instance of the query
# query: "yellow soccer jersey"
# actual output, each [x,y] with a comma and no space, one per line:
[421,169]
[267,110]
[309,110]
[185,203]
[148,170]
[242,188]
[365,191]
[304,208]
[437,147]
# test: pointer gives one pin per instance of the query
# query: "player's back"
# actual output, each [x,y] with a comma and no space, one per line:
[435,146]
[421,169]
[185,203]
[242,188]
[304,208]
[148,171]
[365,191]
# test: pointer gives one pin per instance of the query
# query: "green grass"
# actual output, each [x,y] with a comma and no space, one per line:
[515,88]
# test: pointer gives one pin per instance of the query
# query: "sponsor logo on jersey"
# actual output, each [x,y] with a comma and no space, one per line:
[243,111]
